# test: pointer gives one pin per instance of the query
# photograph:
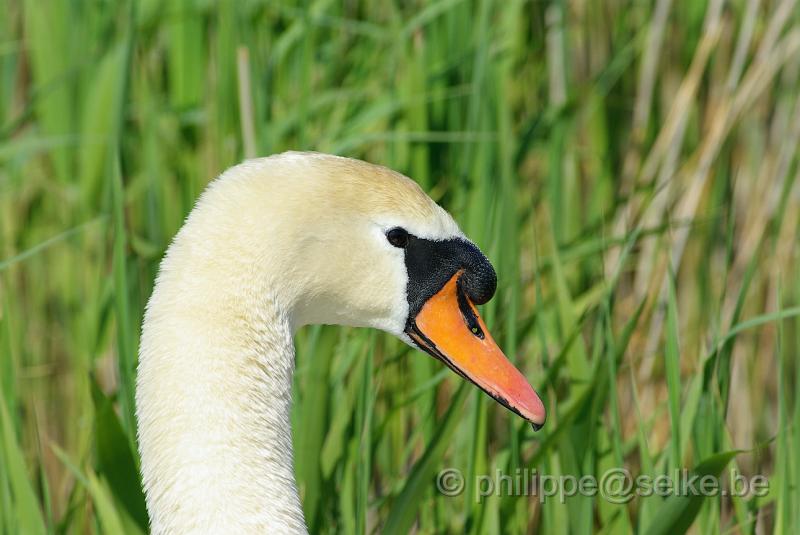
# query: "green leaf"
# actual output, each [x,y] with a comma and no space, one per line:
[406,506]
[26,507]
[106,511]
[673,369]
[115,460]
[677,513]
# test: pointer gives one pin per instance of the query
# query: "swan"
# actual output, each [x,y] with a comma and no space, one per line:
[274,244]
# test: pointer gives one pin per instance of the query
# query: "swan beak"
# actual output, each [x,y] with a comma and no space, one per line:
[449,328]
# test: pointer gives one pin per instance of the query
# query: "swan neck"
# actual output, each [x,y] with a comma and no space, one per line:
[213,403]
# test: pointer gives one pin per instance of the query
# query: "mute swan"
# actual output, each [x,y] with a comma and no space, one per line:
[274,244]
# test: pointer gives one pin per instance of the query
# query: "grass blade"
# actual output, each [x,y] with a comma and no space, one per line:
[26,510]
[420,481]
[677,512]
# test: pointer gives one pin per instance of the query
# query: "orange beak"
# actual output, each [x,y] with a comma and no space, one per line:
[449,328]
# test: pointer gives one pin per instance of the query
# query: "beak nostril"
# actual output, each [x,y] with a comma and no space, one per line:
[467,312]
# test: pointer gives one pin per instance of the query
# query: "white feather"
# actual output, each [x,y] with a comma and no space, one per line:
[272,244]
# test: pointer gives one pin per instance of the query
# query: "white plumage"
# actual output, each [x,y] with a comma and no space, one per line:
[273,244]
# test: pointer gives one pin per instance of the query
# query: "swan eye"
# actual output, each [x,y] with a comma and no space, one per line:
[398,237]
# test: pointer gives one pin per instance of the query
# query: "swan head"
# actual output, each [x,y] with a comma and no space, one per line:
[350,243]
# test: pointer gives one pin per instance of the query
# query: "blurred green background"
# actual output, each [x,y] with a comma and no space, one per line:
[629,166]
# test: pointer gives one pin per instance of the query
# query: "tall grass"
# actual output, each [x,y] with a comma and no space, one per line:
[630,167]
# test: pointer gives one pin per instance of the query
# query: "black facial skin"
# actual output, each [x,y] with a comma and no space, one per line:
[430,264]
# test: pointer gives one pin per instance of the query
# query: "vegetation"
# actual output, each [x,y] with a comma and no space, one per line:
[629,166]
